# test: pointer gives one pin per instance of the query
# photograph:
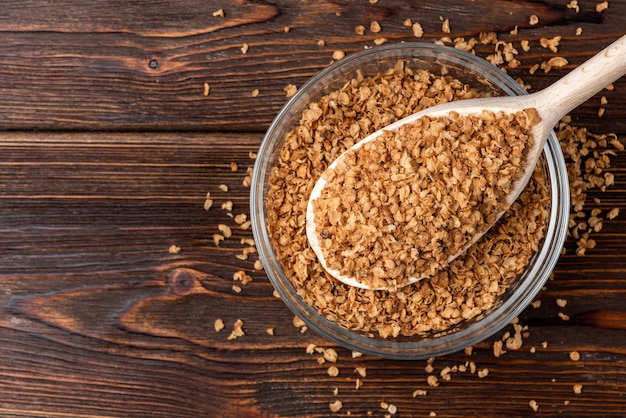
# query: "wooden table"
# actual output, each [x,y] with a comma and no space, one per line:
[118,117]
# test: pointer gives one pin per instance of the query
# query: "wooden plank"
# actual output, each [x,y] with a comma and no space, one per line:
[116,65]
[99,319]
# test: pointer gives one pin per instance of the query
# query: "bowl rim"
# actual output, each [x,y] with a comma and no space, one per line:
[527,287]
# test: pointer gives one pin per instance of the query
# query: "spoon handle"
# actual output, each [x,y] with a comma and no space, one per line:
[585,81]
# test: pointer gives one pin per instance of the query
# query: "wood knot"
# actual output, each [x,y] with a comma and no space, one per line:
[184,282]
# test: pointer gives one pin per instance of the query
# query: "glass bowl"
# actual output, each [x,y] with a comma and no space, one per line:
[441,60]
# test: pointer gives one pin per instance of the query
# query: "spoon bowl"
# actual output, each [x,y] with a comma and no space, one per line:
[551,104]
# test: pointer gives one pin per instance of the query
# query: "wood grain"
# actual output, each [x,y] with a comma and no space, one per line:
[99,319]
[108,147]
[143,65]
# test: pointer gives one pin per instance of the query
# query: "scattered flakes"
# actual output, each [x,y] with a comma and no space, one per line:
[335,406]
[233,166]
[533,405]
[579,31]
[258,266]
[244,48]
[237,289]
[228,205]
[472,367]
[290,89]
[242,277]
[240,218]
[419,392]
[225,230]
[536,304]
[375,27]
[418,31]
[544,344]
[525,44]
[432,380]
[407,22]
[357,354]
[373,1]
[613,213]
[578,388]
[321,42]
[561,303]
[574,356]
[488,38]
[208,202]
[286,29]
[358,384]
[333,371]
[299,323]
[362,371]
[359,30]
[392,409]
[218,13]
[218,325]
[483,373]
[563,316]
[255,93]
[533,20]
[551,43]
[207,89]
[514,31]
[601,112]
[310,349]
[600,7]
[532,350]
[498,348]
[223,187]
[270,331]
[330,355]
[237,330]
[573,4]
[468,350]
[445,26]
[174,249]
[338,54]
[432,414]
[554,62]
[445,373]
[217,238]
[380,41]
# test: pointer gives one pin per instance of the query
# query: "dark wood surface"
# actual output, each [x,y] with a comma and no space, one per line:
[107,150]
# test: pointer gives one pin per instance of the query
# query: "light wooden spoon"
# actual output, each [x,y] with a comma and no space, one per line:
[551,103]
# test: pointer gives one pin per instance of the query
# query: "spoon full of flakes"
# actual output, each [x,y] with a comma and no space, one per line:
[405,201]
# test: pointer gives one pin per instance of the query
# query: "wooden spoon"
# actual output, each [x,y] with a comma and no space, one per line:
[551,103]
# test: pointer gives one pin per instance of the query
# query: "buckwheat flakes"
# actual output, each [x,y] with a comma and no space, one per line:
[290,90]
[335,406]
[435,304]
[600,7]
[417,29]
[237,330]
[401,205]
[218,325]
